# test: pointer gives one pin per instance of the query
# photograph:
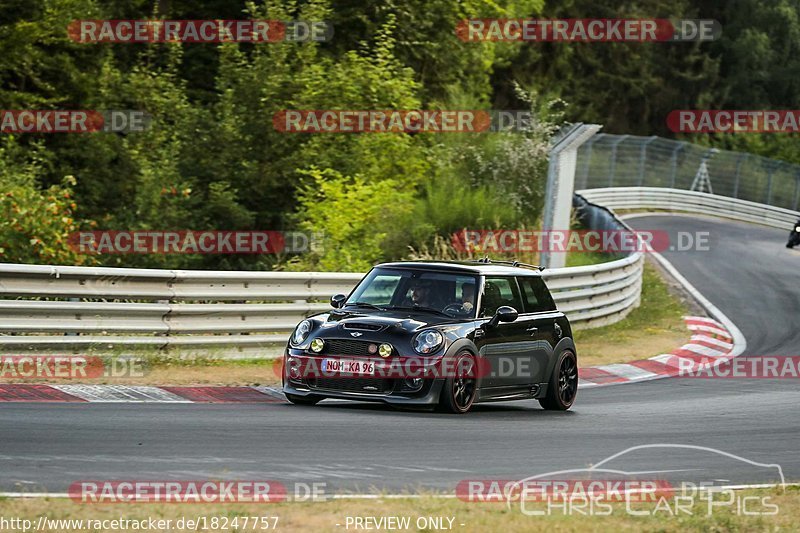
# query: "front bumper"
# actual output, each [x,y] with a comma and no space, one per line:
[391,390]
[430,398]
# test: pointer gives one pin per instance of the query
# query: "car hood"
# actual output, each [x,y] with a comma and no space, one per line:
[410,321]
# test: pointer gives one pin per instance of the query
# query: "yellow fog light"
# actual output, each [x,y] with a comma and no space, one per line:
[385,350]
[317,345]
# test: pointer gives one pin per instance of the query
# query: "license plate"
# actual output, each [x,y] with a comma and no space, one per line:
[348,366]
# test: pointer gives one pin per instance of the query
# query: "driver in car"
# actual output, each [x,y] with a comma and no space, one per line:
[421,293]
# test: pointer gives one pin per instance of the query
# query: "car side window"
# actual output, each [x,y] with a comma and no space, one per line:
[537,297]
[499,291]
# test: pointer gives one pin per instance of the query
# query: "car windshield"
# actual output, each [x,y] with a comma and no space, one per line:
[442,293]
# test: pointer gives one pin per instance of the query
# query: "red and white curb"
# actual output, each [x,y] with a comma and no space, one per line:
[710,344]
[19,392]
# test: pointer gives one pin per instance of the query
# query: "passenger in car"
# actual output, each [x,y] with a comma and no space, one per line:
[492,298]
[468,297]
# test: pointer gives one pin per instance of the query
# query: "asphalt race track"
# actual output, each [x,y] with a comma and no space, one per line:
[747,273]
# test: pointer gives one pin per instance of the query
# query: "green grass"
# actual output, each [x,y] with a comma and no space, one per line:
[657,306]
[655,327]
[575,259]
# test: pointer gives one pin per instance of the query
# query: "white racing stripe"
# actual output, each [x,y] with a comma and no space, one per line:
[270,391]
[671,359]
[677,362]
[708,329]
[628,371]
[121,393]
[727,346]
[705,320]
[699,349]
[668,359]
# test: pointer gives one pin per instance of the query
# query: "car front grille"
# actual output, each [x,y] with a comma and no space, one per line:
[345,384]
[347,347]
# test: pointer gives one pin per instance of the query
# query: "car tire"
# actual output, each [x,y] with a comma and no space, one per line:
[303,400]
[563,386]
[459,392]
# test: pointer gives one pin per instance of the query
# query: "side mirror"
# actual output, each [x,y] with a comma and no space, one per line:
[504,313]
[337,300]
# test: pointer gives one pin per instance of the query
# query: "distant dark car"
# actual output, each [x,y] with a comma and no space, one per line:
[794,236]
[437,334]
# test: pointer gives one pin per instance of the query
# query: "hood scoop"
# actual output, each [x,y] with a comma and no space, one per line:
[363,326]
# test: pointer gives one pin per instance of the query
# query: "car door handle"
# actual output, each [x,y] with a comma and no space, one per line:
[532,329]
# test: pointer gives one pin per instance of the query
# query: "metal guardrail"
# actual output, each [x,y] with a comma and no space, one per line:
[63,309]
[692,202]
[597,295]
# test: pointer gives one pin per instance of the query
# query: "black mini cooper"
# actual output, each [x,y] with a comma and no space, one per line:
[437,334]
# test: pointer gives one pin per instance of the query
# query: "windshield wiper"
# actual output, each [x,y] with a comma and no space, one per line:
[365,304]
[419,308]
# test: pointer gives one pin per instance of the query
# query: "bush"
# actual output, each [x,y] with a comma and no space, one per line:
[34,223]
[354,215]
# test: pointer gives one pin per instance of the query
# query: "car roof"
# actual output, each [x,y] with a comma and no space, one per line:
[469,267]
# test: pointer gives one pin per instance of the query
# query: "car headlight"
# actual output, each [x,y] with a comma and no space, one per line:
[428,341]
[301,332]
[797,229]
